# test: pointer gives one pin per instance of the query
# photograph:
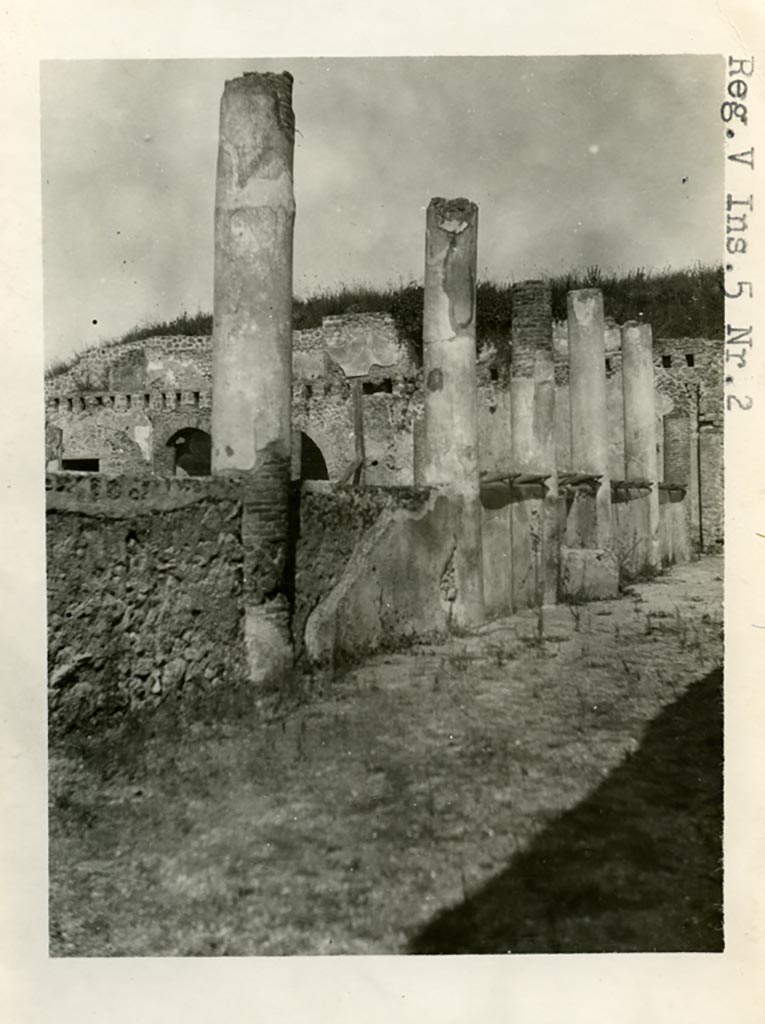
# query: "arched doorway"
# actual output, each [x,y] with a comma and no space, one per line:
[192,451]
[312,463]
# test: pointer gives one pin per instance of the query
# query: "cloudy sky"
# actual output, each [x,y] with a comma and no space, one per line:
[573,161]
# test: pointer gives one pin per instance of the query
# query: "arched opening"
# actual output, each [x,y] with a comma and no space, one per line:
[312,463]
[192,449]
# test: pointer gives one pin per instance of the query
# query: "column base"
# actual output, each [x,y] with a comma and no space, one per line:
[267,642]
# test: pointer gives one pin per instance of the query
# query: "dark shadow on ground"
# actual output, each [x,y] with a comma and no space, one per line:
[635,867]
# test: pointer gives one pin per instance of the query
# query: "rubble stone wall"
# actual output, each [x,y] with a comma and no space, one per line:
[144,592]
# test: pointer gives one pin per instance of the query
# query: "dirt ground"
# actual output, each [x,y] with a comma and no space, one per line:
[547,783]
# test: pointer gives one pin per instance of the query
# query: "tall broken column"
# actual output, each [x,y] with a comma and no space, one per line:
[450,457]
[640,458]
[252,344]
[532,439]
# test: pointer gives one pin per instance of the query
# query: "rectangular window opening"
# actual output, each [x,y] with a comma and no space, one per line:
[690,359]
[666,361]
[80,465]
[382,387]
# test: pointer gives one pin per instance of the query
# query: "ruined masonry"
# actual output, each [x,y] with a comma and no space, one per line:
[218,507]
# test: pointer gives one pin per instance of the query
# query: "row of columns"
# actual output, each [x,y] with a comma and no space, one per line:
[252,367]
[451,421]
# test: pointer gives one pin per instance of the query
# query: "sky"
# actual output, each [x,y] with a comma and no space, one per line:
[573,161]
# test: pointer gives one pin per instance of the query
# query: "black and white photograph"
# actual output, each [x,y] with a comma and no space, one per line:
[384,504]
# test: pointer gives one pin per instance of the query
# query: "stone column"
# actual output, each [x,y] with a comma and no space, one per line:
[532,435]
[640,462]
[450,457]
[252,343]
[711,483]
[589,407]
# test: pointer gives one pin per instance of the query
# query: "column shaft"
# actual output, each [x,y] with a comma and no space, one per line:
[252,343]
[450,457]
[640,459]
[589,408]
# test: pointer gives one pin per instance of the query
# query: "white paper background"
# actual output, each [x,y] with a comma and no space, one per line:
[614,988]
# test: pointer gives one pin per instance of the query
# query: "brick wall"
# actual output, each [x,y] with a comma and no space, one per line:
[531,325]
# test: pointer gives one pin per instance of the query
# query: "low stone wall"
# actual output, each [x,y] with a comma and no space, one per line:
[632,516]
[333,522]
[587,572]
[375,566]
[144,592]
[497,537]
[514,563]
[146,575]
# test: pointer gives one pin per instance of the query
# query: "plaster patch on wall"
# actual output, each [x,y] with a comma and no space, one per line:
[358,342]
[142,437]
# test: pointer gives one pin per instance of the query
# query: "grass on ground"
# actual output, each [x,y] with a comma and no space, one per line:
[489,793]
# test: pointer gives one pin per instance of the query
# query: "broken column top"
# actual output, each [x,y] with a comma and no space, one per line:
[273,77]
[585,294]
[585,305]
[267,83]
[531,325]
[266,74]
[453,215]
[533,294]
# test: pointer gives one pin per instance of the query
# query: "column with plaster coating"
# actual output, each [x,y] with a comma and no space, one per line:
[450,456]
[640,458]
[252,344]
[589,407]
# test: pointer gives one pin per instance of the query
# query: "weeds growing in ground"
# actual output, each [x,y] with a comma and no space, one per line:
[576,615]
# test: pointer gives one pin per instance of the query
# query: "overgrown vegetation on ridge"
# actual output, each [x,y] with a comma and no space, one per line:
[677,303]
